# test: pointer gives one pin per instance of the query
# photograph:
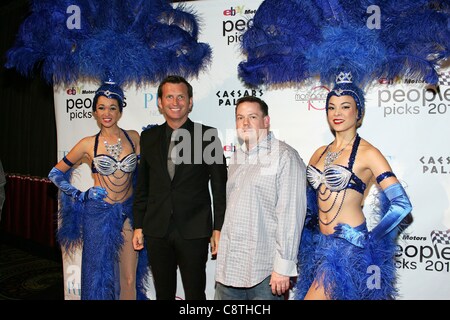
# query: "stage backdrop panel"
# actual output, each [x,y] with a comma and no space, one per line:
[407,121]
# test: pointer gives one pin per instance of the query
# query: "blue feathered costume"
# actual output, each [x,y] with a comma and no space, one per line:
[96,225]
[361,273]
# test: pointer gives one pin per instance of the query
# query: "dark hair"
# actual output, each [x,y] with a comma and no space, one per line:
[175,79]
[262,105]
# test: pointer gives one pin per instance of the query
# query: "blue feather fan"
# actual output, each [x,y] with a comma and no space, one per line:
[291,41]
[137,41]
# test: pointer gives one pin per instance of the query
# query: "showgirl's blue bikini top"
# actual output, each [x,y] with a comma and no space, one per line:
[106,165]
[337,177]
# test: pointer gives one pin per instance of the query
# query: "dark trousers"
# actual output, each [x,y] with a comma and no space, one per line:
[190,255]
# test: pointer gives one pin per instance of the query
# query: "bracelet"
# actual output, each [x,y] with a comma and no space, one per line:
[67,161]
[385,175]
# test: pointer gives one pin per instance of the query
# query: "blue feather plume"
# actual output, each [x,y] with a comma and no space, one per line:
[274,46]
[354,49]
[291,41]
[138,41]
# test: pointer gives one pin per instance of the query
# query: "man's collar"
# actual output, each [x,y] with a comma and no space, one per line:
[264,143]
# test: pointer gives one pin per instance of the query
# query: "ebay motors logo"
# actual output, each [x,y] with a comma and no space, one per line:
[78,90]
[232,29]
[237,10]
[71,91]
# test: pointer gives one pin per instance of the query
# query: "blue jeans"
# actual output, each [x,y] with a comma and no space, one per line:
[261,291]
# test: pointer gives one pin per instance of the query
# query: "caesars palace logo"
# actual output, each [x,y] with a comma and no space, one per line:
[435,164]
[229,97]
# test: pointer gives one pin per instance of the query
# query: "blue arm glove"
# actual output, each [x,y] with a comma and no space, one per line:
[355,237]
[399,208]
[58,178]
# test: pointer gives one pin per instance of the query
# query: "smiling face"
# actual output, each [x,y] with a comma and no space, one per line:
[107,111]
[251,123]
[342,113]
[175,103]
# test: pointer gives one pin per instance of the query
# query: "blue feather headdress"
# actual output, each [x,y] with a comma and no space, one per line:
[292,40]
[139,41]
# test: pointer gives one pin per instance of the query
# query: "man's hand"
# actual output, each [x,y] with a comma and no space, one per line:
[138,239]
[214,241]
[279,283]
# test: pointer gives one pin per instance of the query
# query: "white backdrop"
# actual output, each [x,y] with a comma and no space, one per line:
[407,122]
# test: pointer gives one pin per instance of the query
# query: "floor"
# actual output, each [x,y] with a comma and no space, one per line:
[29,274]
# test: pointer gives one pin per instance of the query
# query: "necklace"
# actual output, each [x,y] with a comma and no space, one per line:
[114,149]
[331,156]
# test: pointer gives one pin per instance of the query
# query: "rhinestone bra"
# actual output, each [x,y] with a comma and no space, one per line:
[335,177]
[107,165]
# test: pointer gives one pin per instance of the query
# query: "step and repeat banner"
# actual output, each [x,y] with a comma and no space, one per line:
[406,120]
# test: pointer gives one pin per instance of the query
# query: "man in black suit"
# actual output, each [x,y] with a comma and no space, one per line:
[174,213]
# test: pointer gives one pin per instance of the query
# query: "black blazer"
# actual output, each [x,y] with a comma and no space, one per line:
[187,196]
